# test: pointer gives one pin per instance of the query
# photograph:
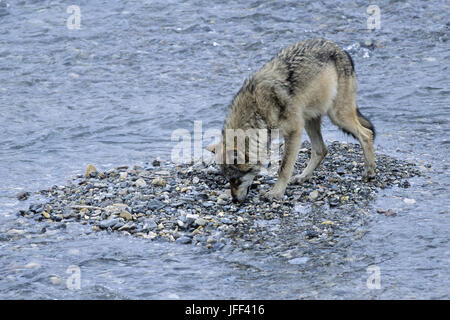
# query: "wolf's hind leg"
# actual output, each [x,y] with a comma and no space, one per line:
[318,150]
[348,121]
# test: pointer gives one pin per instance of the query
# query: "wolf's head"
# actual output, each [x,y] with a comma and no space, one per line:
[237,169]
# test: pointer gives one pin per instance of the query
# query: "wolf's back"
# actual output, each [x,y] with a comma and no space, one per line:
[314,54]
[304,60]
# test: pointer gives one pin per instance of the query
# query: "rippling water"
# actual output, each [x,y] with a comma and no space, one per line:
[112,92]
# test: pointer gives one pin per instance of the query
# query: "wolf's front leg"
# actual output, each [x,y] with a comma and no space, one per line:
[292,143]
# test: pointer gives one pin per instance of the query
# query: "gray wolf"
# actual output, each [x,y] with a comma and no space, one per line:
[294,90]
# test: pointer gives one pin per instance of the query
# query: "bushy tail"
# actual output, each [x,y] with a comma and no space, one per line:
[346,67]
[344,62]
[366,123]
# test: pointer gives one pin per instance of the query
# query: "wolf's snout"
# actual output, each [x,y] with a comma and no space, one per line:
[239,194]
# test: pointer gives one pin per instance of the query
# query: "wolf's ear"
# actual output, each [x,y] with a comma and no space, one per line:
[212,147]
[275,89]
[235,156]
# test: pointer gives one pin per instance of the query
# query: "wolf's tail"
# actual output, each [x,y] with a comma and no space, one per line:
[366,123]
[343,61]
[346,67]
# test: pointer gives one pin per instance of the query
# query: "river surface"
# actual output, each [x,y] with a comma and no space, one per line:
[112,92]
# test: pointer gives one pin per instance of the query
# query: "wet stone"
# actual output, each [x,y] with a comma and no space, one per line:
[184,240]
[36,208]
[140,183]
[314,195]
[108,223]
[227,221]
[90,171]
[155,205]
[311,234]
[200,222]
[126,215]
[22,196]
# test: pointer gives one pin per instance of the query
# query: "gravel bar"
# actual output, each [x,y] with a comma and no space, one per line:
[191,204]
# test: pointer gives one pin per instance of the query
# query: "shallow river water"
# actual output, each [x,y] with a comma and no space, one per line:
[113,91]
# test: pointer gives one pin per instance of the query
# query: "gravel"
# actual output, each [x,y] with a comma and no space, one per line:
[191,204]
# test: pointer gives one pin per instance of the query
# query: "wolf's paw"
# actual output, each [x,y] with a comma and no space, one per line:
[369,175]
[274,194]
[299,179]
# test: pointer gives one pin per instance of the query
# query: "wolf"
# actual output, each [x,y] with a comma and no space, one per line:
[294,90]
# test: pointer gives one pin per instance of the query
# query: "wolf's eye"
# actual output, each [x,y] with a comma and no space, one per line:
[234,181]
